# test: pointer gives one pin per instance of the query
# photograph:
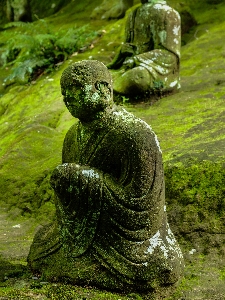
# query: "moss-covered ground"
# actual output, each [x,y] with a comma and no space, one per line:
[189,126]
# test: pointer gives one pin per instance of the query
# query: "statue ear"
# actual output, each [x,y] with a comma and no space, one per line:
[103,87]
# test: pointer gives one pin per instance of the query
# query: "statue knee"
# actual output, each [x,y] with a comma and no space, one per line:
[133,82]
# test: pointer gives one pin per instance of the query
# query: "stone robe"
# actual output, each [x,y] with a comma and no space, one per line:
[110,206]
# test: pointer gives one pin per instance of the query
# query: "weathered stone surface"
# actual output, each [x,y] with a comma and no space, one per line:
[111,10]
[149,60]
[111,227]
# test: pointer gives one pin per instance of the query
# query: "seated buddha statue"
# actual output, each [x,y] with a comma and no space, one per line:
[111,228]
[148,61]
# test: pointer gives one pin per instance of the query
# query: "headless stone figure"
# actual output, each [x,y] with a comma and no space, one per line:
[18,10]
[148,61]
[111,228]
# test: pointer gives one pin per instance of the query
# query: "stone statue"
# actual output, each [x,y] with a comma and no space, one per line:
[18,10]
[111,228]
[110,10]
[150,57]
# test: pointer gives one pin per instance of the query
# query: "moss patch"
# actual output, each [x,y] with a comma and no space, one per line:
[196,201]
[37,289]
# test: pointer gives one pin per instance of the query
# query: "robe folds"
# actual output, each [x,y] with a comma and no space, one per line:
[110,201]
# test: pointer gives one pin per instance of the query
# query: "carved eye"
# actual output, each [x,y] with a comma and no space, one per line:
[102,86]
[97,85]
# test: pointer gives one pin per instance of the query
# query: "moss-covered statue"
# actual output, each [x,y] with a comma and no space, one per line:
[18,10]
[111,228]
[150,57]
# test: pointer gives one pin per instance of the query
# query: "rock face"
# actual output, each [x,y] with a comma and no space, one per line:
[111,227]
[110,10]
[150,57]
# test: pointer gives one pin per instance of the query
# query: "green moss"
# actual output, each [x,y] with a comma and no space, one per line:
[197,188]
[17,283]
[200,183]
[8,269]
[222,274]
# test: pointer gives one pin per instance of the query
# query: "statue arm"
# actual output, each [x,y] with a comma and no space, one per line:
[142,162]
[136,198]
[69,179]
[70,145]
[173,29]
[117,61]
[125,50]
[78,204]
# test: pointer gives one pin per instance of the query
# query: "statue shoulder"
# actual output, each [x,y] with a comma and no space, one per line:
[137,131]
[161,6]
[72,132]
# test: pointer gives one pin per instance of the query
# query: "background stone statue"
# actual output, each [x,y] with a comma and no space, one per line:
[18,10]
[149,59]
[111,228]
[111,9]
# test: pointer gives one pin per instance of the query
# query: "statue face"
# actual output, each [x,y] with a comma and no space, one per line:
[87,89]
[84,102]
[73,100]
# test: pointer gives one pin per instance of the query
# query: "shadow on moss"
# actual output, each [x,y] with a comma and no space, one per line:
[9,269]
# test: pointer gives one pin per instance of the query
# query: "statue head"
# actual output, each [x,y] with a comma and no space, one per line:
[87,89]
